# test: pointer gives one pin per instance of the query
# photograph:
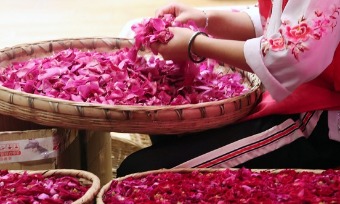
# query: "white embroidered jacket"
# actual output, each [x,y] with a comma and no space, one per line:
[295,45]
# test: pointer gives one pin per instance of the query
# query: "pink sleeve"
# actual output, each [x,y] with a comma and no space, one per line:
[298,45]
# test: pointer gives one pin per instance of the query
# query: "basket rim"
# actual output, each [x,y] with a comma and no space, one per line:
[120,107]
[106,186]
[90,194]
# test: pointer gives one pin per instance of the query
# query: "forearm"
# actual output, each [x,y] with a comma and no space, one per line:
[230,25]
[227,51]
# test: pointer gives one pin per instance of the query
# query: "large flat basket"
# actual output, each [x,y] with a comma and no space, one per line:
[175,119]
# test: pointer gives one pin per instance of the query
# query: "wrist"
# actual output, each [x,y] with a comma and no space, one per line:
[192,56]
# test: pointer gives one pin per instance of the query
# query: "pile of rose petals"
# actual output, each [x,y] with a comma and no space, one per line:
[118,79]
[17,188]
[124,77]
[151,30]
[227,186]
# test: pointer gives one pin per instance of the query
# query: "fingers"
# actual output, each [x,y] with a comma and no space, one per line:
[173,9]
[154,48]
[181,12]
[169,9]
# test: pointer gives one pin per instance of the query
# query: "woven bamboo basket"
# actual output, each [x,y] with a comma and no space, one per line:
[119,118]
[84,177]
[106,187]
[122,147]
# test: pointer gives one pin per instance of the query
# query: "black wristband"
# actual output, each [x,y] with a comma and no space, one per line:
[193,57]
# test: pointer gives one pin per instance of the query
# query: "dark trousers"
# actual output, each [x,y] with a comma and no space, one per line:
[315,152]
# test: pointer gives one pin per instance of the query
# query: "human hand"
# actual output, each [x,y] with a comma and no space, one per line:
[177,48]
[183,13]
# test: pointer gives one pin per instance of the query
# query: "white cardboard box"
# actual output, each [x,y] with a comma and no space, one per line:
[34,149]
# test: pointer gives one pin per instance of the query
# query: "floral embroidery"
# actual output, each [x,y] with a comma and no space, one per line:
[293,37]
[298,33]
[277,43]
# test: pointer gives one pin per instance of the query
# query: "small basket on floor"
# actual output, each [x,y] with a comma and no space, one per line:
[84,177]
[125,144]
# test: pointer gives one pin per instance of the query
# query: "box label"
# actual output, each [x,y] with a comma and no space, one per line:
[27,150]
